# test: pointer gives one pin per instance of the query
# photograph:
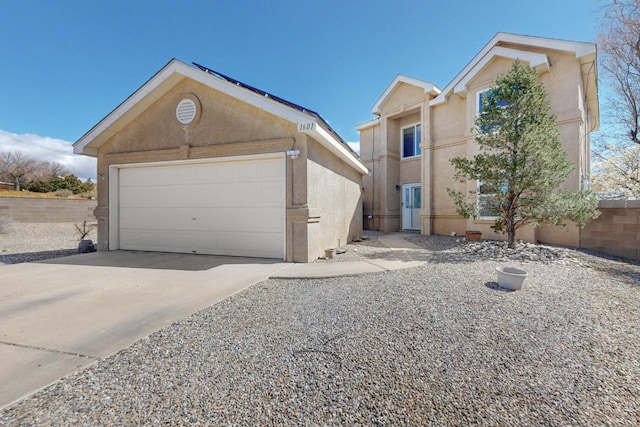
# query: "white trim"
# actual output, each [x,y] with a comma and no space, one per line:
[580,49]
[428,87]
[336,147]
[490,50]
[402,199]
[168,77]
[114,188]
[416,143]
[478,93]
[175,67]
[114,207]
[536,60]
[368,124]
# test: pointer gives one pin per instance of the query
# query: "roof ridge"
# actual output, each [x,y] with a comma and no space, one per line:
[275,98]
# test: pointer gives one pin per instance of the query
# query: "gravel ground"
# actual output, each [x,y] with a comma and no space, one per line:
[439,344]
[23,242]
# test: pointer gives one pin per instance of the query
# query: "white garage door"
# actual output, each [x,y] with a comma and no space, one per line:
[222,208]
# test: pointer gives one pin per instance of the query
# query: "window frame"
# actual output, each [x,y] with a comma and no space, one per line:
[479,205]
[416,141]
[479,110]
[478,100]
[479,197]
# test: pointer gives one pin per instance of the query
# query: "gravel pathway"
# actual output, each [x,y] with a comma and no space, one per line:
[439,344]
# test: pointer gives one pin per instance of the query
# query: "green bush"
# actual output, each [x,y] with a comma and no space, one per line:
[55,183]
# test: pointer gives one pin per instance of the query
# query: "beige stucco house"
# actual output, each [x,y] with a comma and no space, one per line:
[418,128]
[197,162]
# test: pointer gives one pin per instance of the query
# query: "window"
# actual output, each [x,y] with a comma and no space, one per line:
[487,200]
[485,94]
[411,141]
[482,98]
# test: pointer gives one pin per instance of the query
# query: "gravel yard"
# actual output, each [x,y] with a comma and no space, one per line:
[439,344]
[23,242]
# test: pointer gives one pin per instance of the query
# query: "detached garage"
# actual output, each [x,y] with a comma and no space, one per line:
[196,162]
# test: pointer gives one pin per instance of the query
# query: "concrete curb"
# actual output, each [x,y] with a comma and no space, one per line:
[405,255]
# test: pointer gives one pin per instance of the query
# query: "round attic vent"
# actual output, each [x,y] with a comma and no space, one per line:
[186,111]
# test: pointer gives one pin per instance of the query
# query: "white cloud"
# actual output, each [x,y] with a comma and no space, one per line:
[51,150]
[355,146]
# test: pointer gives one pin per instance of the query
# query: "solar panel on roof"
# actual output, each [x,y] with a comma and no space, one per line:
[275,98]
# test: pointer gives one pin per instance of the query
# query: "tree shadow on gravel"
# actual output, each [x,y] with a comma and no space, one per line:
[36,256]
[625,273]
[623,269]
[453,257]
[406,255]
[495,287]
[439,257]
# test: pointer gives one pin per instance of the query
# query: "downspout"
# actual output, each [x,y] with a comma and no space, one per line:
[373,176]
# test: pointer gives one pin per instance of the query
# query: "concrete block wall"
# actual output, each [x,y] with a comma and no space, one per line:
[28,209]
[616,231]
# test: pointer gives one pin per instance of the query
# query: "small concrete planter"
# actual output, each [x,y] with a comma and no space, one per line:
[511,278]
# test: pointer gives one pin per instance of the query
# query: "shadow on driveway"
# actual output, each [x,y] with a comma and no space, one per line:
[156,260]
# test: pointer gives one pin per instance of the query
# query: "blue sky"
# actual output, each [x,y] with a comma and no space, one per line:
[66,64]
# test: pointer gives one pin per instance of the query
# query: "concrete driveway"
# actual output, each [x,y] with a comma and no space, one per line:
[57,316]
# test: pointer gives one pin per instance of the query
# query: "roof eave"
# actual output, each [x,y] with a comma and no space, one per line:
[428,87]
[170,75]
[89,143]
[491,49]
[368,124]
[328,141]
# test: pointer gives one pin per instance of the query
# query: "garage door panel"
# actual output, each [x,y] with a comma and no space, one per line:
[262,244]
[268,219]
[234,244]
[202,219]
[152,240]
[226,208]
[158,218]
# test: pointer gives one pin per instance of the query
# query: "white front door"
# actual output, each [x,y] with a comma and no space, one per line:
[411,204]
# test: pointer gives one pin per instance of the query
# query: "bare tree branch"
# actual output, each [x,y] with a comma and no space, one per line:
[17,167]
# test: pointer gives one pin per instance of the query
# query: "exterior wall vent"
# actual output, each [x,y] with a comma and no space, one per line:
[186,111]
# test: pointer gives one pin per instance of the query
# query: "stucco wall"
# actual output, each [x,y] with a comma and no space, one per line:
[225,127]
[334,192]
[447,133]
[403,95]
[369,195]
[28,209]
[452,137]
[228,127]
[616,231]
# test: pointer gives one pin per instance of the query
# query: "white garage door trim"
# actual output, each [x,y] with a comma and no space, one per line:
[115,185]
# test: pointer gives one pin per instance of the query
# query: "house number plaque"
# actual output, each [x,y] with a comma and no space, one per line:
[304,127]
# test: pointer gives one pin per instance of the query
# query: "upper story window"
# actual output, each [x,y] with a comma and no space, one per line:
[411,136]
[483,98]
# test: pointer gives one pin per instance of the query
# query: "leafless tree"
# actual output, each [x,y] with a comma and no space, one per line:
[17,167]
[619,52]
[619,43]
[619,173]
[45,170]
